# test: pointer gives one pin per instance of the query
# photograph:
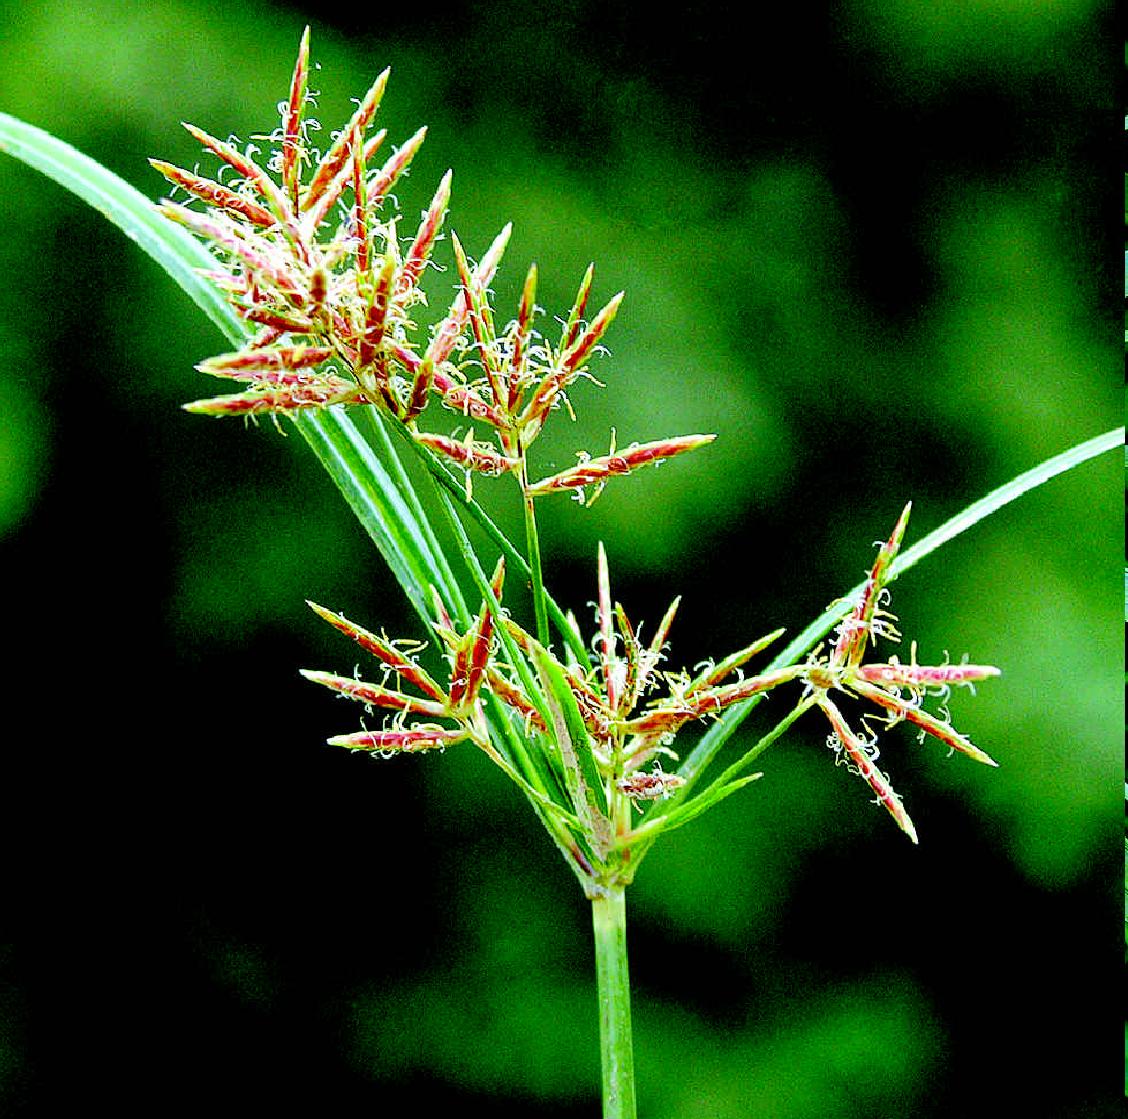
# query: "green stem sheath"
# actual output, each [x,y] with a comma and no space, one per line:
[609,922]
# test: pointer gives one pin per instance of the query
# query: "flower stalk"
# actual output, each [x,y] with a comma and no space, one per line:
[536,571]
[609,923]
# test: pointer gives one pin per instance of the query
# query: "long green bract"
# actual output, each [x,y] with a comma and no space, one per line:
[384,510]
[172,247]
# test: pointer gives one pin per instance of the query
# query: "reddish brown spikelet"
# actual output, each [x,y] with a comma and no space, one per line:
[274,358]
[214,194]
[606,466]
[360,207]
[716,699]
[544,400]
[576,315]
[254,253]
[395,166]
[521,335]
[338,155]
[593,711]
[420,389]
[267,337]
[284,324]
[480,321]
[449,330]
[855,751]
[373,694]
[477,645]
[318,291]
[429,227]
[855,630]
[478,655]
[586,696]
[408,741]
[663,720]
[376,316]
[923,675]
[902,709]
[383,650]
[663,630]
[578,352]
[287,378]
[467,402]
[316,214]
[325,392]
[469,454]
[731,663]
[632,656]
[653,655]
[568,368]
[292,122]
[649,786]
[608,660]
[513,697]
[250,171]
[373,144]
[460,671]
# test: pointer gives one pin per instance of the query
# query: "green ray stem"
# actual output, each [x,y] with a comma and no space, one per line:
[532,542]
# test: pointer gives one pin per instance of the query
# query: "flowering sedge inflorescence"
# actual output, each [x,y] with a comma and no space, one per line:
[597,731]
[309,259]
[897,690]
[308,256]
[600,732]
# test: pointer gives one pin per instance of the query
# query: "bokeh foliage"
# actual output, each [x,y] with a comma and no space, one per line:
[863,248]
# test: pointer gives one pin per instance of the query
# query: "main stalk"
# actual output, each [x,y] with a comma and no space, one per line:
[609,920]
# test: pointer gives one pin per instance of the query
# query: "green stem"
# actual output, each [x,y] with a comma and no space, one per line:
[533,546]
[609,922]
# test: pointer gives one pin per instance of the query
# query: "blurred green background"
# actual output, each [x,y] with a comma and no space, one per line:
[862,242]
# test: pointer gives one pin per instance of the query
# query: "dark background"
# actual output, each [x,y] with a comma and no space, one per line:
[868,244]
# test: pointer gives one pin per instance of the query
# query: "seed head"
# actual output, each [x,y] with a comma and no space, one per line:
[897,690]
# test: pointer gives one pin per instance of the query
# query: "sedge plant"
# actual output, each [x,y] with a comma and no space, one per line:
[300,257]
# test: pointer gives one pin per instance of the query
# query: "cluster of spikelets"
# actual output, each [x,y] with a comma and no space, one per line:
[308,257]
[897,690]
[629,711]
